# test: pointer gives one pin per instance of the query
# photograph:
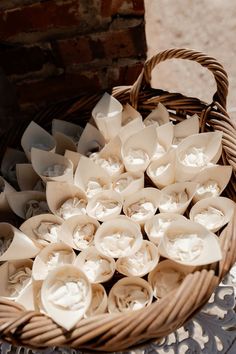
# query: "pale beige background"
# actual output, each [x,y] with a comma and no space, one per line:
[204,25]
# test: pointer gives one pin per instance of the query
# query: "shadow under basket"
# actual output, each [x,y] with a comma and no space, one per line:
[116,332]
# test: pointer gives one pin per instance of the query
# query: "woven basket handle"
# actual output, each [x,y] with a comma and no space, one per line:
[210,63]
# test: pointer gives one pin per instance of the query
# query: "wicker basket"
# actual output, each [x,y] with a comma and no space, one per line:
[115,332]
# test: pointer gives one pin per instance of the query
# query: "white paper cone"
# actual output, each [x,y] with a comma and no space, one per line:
[99,301]
[66,135]
[130,128]
[91,140]
[9,161]
[128,183]
[108,116]
[164,140]
[27,178]
[129,114]
[185,128]
[35,136]
[74,157]
[5,188]
[158,116]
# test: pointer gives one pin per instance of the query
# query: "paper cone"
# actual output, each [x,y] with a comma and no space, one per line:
[158,116]
[108,116]
[66,310]
[35,136]
[74,157]
[5,188]
[142,205]
[33,228]
[185,128]
[78,231]
[162,171]
[99,301]
[37,286]
[138,149]
[87,173]
[52,256]
[130,128]
[66,135]
[27,178]
[59,192]
[125,295]
[167,276]
[97,267]
[18,202]
[91,140]
[128,183]
[164,140]
[155,227]
[129,114]
[118,237]
[212,213]
[9,161]
[176,197]
[42,161]
[212,181]
[188,243]
[105,205]
[19,245]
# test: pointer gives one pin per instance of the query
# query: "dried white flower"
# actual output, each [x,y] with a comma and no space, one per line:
[195,157]
[173,200]
[47,231]
[141,209]
[83,235]
[55,170]
[185,247]
[208,189]
[35,207]
[209,217]
[71,207]
[136,157]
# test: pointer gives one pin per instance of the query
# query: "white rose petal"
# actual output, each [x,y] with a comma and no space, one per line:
[185,247]
[210,217]
[71,207]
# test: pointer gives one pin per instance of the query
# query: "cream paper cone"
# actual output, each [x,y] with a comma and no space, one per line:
[213,213]
[18,200]
[128,183]
[74,157]
[42,160]
[212,181]
[26,298]
[108,116]
[21,246]
[105,205]
[28,179]
[188,243]
[155,227]
[88,171]
[162,171]
[164,140]
[31,228]
[185,128]
[141,263]
[37,286]
[118,237]
[167,276]
[195,153]
[58,193]
[91,140]
[124,295]
[84,225]
[130,128]
[56,283]
[129,114]
[52,256]
[5,188]
[66,135]
[99,301]
[9,161]
[142,205]
[142,145]
[35,136]
[158,116]
[176,197]
[97,267]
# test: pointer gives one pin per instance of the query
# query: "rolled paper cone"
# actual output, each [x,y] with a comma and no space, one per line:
[26,298]
[27,178]
[59,192]
[18,200]
[213,213]
[176,197]
[5,188]
[143,142]
[37,285]
[9,161]
[70,226]
[87,171]
[35,136]
[186,128]
[158,116]
[66,310]
[41,268]
[144,202]
[133,288]
[64,143]
[66,135]
[91,140]
[108,116]
[130,128]
[162,171]
[165,135]
[188,243]
[128,183]
[74,157]
[30,226]
[212,181]
[21,246]
[44,160]
[99,301]
[129,114]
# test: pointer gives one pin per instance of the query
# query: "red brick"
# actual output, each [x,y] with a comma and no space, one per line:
[122,7]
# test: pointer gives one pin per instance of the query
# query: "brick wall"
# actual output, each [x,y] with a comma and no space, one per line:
[55,48]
